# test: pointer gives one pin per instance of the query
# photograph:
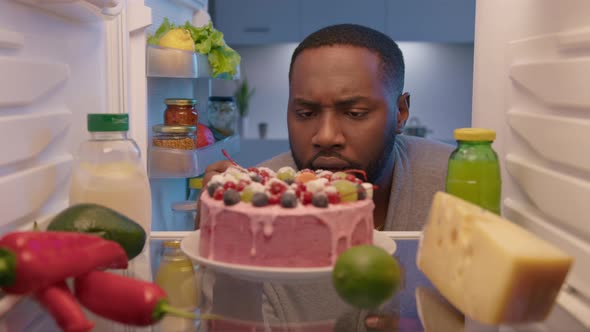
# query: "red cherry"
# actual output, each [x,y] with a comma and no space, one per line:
[264,173]
[277,188]
[253,169]
[218,194]
[229,185]
[333,197]
[350,178]
[306,197]
[241,185]
[274,199]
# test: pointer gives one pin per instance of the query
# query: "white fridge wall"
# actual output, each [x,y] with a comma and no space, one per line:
[532,63]
[52,72]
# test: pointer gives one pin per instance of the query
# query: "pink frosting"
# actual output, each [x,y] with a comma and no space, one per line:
[305,236]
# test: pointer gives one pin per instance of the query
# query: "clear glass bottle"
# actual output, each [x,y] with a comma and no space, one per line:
[474,170]
[223,116]
[176,275]
[108,171]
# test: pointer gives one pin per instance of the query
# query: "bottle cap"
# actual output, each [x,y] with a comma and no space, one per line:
[172,244]
[180,101]
[107,122]
[474,134]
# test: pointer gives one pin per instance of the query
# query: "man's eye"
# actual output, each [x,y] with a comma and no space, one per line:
[357,114]
[304,114]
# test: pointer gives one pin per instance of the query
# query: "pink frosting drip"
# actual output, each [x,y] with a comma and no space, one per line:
[304,236]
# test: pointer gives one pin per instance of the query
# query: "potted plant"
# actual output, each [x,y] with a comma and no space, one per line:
[242,97]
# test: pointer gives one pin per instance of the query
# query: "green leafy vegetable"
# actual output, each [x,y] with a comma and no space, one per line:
[209,41]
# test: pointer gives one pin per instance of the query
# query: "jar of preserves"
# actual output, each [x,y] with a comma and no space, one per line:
[222,115]
[174,137]
[181,112]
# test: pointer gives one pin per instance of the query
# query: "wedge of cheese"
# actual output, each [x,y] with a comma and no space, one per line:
[491,269]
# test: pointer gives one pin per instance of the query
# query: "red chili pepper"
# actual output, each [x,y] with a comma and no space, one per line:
[62,305]
[30,261]
[123,299]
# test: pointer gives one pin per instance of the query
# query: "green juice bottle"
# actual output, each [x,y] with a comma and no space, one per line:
[474,171]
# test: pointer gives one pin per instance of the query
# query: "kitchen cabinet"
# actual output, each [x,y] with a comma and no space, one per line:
[442,21]
[258,21]
[247,22]
[318,14]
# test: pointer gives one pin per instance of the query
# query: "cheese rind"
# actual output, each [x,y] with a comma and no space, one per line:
[491,269]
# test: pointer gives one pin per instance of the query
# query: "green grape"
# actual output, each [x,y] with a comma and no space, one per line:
[339,176]
[286,173]
[347,190]
[247,194]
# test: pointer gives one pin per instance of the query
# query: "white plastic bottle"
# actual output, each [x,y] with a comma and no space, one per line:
[108,171]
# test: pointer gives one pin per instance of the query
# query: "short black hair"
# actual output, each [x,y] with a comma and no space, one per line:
[392,59]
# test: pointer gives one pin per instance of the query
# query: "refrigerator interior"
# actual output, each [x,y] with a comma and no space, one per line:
[531,86]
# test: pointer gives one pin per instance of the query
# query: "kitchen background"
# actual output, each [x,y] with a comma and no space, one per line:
[435,36]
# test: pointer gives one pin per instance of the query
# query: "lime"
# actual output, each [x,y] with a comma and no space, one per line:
[365,276]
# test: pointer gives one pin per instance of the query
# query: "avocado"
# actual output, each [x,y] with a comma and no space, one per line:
[102,221]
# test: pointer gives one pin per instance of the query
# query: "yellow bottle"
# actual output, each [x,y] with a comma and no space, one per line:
[176,275]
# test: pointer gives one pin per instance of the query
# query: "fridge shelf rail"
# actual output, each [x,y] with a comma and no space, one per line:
[175,163]
[79,10]
[173,63]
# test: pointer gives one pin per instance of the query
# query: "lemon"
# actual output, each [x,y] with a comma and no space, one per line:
[366,276]
[178,38]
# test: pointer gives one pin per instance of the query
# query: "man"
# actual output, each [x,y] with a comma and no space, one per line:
[346,107]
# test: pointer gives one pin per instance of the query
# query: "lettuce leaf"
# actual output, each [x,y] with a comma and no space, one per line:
[208,41]
[162,30]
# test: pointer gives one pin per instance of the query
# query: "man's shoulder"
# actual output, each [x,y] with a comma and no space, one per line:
[425,151]
[278,161]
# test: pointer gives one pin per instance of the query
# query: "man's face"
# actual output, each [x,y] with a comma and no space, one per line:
[340,113]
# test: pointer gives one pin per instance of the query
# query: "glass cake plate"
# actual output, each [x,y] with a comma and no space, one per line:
[190,246]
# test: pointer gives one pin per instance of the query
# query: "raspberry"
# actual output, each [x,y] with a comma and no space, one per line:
[306,197]
[218,194]
[241,185]
[230,185]
[274,199]
[277,188]
[333,197]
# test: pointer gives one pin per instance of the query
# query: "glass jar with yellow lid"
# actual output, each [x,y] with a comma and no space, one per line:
[174,137]
[181,112]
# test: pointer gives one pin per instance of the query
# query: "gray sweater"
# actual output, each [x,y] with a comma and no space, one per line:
[420,170]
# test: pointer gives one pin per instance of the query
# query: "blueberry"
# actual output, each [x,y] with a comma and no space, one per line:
[289,181]
[256,178]
[260,199]
[212,187]
[231,197]
[362,192]
[320,200]
[288,200]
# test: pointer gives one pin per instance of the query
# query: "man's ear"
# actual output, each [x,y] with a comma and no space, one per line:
[403,106]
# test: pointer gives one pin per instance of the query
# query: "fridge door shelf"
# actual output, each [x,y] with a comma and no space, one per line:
[173,63]
[79,10]
[176,163]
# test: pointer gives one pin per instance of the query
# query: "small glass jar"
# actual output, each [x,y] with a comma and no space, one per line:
[174,137]
[222,115]
[181,112]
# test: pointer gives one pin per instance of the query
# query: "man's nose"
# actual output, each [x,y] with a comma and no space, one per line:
[329,133]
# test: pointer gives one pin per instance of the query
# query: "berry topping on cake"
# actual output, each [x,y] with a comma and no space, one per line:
[288,188]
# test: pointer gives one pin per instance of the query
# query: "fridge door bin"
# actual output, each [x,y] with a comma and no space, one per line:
[173,63]
[172,163]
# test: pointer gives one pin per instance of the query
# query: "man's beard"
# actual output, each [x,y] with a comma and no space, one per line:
[374,170]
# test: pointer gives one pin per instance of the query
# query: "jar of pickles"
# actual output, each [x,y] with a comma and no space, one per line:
[223,115]
[174,137]
[181,112]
